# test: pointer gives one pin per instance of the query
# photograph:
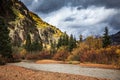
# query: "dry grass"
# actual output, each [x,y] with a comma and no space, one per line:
[47,61]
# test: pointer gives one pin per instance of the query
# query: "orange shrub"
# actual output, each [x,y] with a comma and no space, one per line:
[23,53]
[45,54]
[73,58]
[109,55]
[38,55]
[77,52]
[118,53]
[61,54]
[2,60]
[103,55]
[16,57]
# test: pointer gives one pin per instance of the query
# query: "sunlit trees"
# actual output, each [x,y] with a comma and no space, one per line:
[77,52]
[90,41]
[93,42]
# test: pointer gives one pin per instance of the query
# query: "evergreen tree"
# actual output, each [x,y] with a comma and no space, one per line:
[81,38]
[5,43]
[33,46]
[36,46]
[53,47]
[106,38]
[59,42]
[63,40]
[28,43]
[72,43]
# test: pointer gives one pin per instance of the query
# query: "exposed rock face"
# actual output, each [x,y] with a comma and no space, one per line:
[115,38]
[47,32]
[22,22]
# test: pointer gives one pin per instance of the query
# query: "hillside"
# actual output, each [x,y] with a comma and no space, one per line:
[115,38]
[22,22]
[47,32]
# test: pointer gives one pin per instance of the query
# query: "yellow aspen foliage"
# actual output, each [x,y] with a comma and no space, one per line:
[23,52]
[118,51]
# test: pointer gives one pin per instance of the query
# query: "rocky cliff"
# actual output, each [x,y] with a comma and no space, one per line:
[22,22]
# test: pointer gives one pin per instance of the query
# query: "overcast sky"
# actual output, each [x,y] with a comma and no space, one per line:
[86,17]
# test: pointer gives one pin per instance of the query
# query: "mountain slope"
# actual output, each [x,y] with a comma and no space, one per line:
[46,31]
[22,22]
[115,38]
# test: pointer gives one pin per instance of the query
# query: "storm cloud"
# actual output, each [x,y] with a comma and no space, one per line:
[86,17]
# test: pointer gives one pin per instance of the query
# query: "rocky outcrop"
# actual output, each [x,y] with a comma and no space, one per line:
[22,22]
[47,32]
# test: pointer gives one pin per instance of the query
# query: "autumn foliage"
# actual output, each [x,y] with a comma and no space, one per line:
[91,50]
[61,54]
[38,55]
[104,55]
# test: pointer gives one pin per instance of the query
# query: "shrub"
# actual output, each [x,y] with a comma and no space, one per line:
[61,54]
[38,55]
[19,53]
[77,52]
[23,53]
[2,60]
[118,61]
[73,58]
[108,55]
[16,57]
[104,55]
[32,56]
[45,54]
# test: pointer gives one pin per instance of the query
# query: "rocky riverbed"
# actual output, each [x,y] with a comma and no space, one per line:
[72,69]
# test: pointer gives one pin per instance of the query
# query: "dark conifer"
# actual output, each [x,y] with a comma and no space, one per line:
[5,42]
[106,38]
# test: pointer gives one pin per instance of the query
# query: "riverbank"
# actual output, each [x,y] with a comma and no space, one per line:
[10,72]
[92,65]
[48,61]
[104,66]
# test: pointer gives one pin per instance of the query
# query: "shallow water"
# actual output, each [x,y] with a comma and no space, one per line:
[73,69]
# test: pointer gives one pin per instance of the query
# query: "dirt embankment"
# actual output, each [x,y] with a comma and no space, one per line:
[99,66]
[47,61]
[8,72]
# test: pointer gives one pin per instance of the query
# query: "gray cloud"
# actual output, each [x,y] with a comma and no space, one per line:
[44,6]
[27,2]
[107,3]
[47,6]
[69,19]
[115,22]
[87,17]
